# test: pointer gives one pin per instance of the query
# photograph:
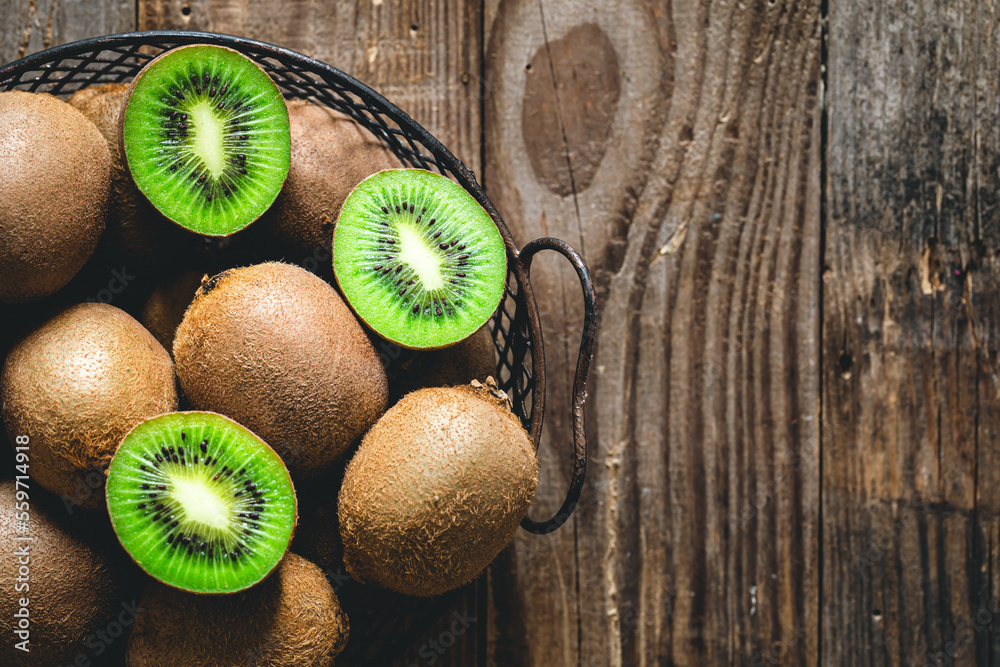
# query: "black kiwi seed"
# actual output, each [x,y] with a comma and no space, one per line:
[204,446]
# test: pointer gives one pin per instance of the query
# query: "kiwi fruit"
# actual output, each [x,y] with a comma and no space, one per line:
[275,348]
[331,153]
[76,385]
[293,619]
[54,193]
[74,586]
[136,232]
[436,490]
[475,358]
[200,502]
[165,307]
[206,138]
[418,258]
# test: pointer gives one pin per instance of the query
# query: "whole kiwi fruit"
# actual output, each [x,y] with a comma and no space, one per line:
[475,358]
[54,190]
[275,348]
[76,386]
[436,490]
[137,233]
[331,153]
[74,586]
[291,619]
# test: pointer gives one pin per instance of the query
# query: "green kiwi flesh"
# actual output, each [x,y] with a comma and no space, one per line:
[293,619]
[437,488]
[418,259]
[54,194]
[206,137]
[200,502]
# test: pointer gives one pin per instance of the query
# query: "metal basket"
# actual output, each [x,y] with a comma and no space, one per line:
[383,624]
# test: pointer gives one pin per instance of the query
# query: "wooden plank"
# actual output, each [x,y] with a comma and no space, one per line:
[697,127]
[424,55]
[910,497]
[28,26]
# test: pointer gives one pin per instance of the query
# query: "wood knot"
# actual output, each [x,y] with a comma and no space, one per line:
[572,91]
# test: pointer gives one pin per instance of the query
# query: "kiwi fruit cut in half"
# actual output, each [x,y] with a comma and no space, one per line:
[200,502]
[54,193]
[276,348]
[293,619]
[73,579]
[76,385]
[437,488]
[331,153]
[418,258]
[475,358]
[206,138]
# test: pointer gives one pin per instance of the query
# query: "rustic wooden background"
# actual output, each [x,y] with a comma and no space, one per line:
[791,212]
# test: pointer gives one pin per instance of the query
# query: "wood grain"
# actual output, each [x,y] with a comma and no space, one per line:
[697,542]
[910,497]
[28,26]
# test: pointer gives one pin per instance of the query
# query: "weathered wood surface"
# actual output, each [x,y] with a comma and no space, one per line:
[910,387]
[796,392]
[27,26]
[686,168]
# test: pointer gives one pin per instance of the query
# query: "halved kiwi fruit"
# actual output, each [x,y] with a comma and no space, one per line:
[200,502]
[206,136]
[418,258]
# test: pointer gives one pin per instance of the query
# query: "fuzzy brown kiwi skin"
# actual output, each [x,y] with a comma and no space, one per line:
[277,349]
[53,196]
[165,307]
[331,154]
[76,385]
[291,619]
[79,583]
[474,358]
[295,517]
[437,488]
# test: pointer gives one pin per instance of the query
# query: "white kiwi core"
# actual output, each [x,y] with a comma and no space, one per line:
[208,131]
[201,504]
[415,252]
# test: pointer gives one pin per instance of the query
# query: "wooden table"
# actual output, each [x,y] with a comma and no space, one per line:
[792,216]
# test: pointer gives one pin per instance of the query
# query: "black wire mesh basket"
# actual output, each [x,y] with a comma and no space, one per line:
[383,624]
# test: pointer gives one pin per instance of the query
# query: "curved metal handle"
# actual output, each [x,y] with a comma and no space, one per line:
[579,383]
